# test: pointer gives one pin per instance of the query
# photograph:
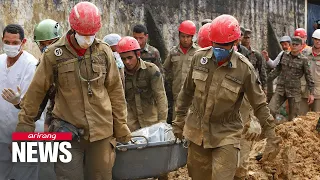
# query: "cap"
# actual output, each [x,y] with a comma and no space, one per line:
[242,30]
[296,40]
[247,32]
[285,39]
[205,21]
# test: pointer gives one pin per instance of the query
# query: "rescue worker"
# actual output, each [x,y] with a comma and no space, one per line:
[293,65]
[144,88]
[255,58]
[178,62]
[302,33]
[90,100]
[17,68]
[240,48]
[46,33]
[203,36]
[285,42]
[214,88]
[148,52]
[314,59]
[112,40]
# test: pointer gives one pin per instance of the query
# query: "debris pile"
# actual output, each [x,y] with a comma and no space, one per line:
[298,159]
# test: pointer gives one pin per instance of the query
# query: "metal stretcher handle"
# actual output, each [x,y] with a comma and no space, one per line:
[134,142]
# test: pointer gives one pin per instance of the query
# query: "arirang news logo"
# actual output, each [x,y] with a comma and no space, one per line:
[41,147]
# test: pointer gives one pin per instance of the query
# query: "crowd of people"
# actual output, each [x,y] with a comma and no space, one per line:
[213,92]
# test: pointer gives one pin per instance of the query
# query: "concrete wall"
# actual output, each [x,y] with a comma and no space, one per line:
[162,17]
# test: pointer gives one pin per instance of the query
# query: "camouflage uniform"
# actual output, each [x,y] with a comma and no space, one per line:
[213,123]
[146,97]
[176,67]
[290,70]
[243,50]
[315,72]
[98,108]
[259,65]
[151,54]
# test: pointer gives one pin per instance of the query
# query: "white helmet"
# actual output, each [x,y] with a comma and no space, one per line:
[316,34]
[112,39]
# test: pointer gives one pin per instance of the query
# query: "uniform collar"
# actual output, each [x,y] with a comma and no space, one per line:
[232,63]
[193,46]
[146,47]
[298,56]
[142,64]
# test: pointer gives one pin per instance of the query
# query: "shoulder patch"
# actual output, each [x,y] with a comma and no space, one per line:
[204,60]
[58,52]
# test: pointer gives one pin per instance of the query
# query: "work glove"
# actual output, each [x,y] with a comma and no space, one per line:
[124,139]
[272,149]
[177,131]
[273,144]
[252,130]
[10,96]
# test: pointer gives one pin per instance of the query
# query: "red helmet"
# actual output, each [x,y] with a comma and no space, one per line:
[203,36]
[188,27]
[300,32]
[127,44]
[85,18]
[224,29]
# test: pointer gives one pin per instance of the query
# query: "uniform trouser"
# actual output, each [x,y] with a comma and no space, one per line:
[277,100]
[212,164]
[245,148]
[17,171]
[305,107]
[90,161]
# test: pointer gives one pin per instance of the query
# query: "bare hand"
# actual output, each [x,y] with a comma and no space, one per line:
[265,54]
[310,99]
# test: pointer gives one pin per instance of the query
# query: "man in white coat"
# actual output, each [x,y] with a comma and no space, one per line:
[17,68]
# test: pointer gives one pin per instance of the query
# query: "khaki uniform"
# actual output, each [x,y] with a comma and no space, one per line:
[151,54]
[213,122]
[101,115]
[315,72]
[176,67]
[146,98]
[246,110]
[290,70]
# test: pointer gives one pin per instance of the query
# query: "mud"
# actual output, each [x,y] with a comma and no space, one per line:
[298,159]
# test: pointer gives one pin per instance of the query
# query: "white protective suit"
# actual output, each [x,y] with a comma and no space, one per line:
[19,74]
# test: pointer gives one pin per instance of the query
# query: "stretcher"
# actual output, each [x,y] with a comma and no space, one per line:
[149,156]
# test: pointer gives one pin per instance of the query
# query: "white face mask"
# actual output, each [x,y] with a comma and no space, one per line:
[11,50]
[84,41]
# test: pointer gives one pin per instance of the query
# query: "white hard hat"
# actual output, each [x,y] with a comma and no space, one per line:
[112,39]
[316,34]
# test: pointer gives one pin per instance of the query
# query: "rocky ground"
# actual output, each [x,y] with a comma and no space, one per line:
[299,157]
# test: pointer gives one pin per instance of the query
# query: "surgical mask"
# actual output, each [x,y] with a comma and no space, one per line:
[118,60]
[84,41]
[221,53]
[11,50]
